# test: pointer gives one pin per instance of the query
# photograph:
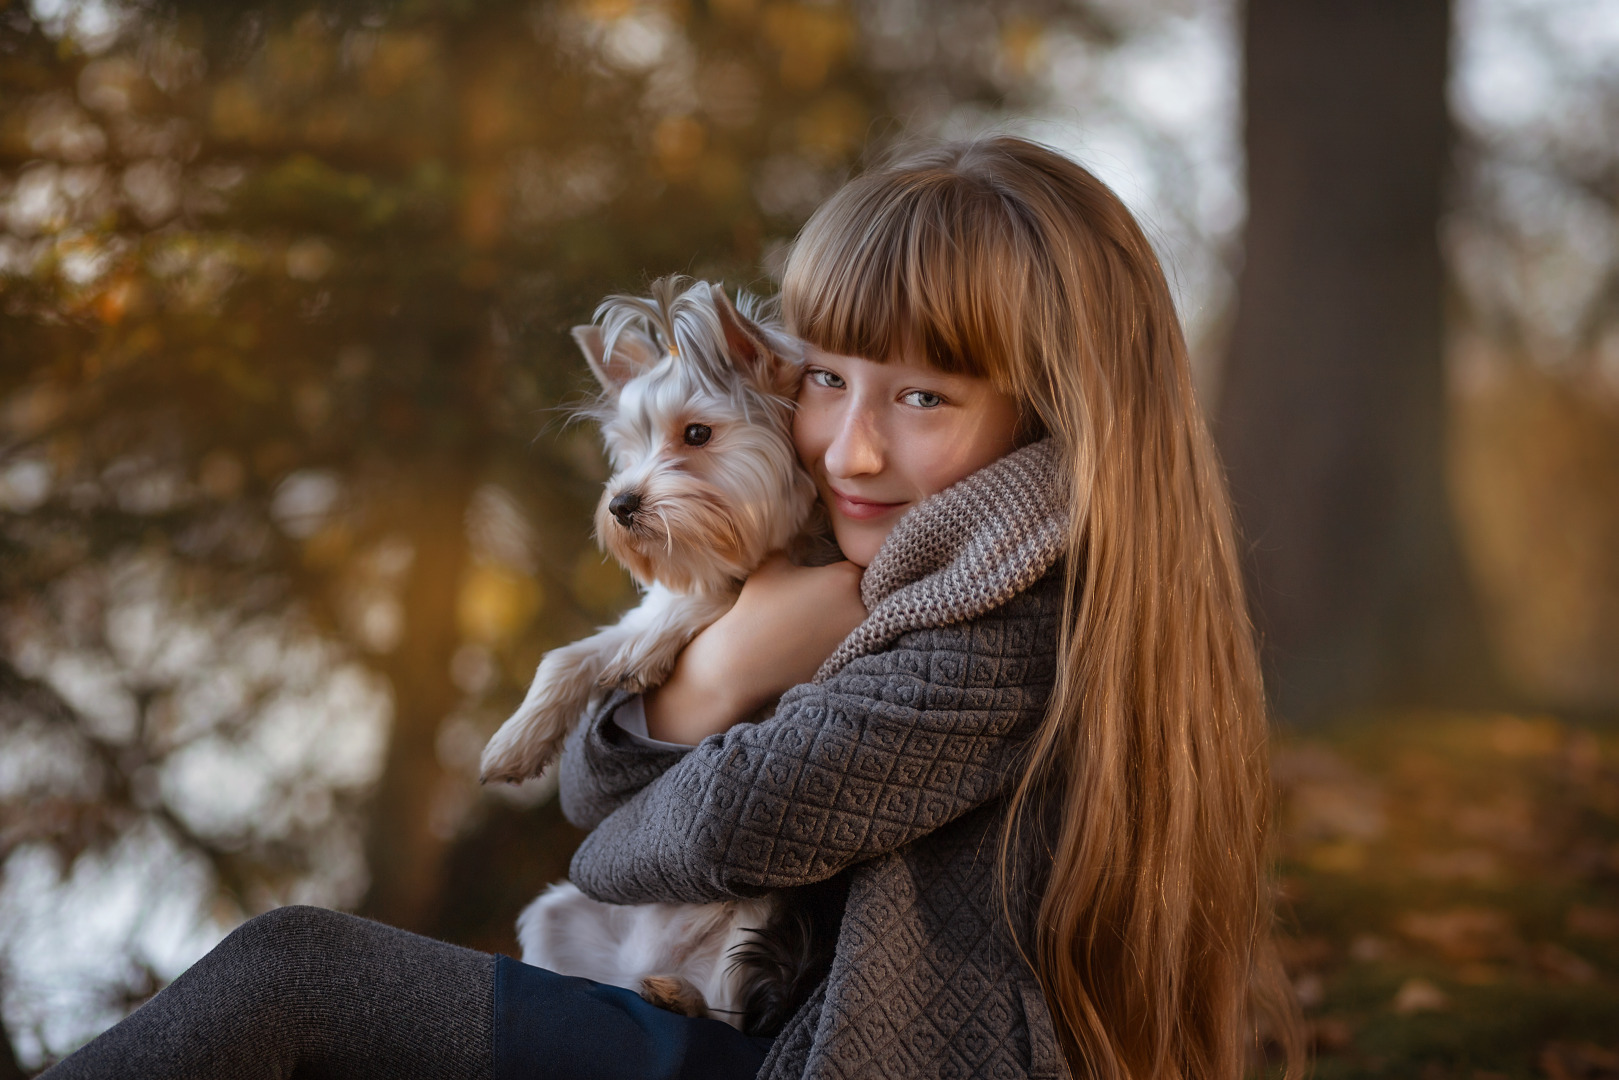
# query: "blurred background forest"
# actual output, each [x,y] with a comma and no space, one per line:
[289,512]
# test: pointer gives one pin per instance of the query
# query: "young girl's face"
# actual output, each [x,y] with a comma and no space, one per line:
[880,438]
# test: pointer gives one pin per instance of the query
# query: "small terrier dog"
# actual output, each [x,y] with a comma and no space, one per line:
[696,411]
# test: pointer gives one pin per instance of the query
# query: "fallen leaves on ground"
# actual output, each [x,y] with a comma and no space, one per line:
[1450,893]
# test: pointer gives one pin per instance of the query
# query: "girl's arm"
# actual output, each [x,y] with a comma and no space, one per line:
[895,745]
[785,623]
[783,626]
[601,768]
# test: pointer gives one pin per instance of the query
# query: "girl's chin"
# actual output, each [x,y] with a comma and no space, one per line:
[859,540]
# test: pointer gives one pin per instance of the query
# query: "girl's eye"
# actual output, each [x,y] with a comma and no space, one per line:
[923,399]
[826,378]
[698,434]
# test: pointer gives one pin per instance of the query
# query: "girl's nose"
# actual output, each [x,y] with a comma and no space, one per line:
[857,446]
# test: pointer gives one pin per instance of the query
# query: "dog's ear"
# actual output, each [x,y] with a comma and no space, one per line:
[749,349]
[633,353]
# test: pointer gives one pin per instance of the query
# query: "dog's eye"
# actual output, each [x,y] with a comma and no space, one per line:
[698,434]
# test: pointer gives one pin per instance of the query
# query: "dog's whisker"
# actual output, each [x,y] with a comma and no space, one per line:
[668,534]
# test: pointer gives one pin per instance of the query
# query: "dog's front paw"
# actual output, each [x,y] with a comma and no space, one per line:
[522,747]
[675,994]
[507,764]
[533,735]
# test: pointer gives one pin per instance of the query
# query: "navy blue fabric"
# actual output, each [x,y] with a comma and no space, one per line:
[557,1027]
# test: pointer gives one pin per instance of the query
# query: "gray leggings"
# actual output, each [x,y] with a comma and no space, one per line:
[309,993]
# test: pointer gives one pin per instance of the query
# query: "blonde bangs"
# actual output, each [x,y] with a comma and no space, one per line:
[912,263]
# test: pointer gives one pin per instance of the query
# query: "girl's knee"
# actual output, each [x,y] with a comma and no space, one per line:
[295,921]
[285,965]
[293,937]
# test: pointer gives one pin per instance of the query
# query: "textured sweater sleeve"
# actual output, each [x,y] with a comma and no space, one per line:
[893,746]
[602,767]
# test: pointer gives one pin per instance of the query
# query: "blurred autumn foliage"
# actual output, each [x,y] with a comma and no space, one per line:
[290,506]
[1522,443]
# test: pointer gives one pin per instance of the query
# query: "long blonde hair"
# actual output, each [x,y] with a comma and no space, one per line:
[1148,780]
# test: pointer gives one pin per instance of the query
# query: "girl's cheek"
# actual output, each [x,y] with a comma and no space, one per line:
[808,420]
[939,454]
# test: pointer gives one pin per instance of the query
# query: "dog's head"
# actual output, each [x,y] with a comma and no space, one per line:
[696,412]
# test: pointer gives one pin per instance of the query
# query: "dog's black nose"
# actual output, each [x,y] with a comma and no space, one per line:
[624,506]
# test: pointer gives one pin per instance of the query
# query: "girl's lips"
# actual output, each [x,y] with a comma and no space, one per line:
[861,509]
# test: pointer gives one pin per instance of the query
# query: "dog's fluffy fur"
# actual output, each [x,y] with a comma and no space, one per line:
[680,956]
[704,515]
[696,411]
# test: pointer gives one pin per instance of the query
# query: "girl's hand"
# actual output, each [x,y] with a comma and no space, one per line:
[783,627]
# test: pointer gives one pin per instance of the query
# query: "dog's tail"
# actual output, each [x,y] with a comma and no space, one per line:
[785,960]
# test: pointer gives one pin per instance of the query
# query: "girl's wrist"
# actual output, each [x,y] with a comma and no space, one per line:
[785,623]
[700,697]
[682,714]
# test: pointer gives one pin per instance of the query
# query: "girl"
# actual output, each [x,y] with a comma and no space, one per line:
[1018,761]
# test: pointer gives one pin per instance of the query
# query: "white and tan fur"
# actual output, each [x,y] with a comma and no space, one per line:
[690,520]
[679,956]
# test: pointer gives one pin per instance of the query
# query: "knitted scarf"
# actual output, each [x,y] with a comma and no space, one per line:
[962,552]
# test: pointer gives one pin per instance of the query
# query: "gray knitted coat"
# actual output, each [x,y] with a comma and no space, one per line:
[890,766]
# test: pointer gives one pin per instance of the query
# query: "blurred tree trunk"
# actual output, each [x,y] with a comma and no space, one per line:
[405,852]
[1331,416]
